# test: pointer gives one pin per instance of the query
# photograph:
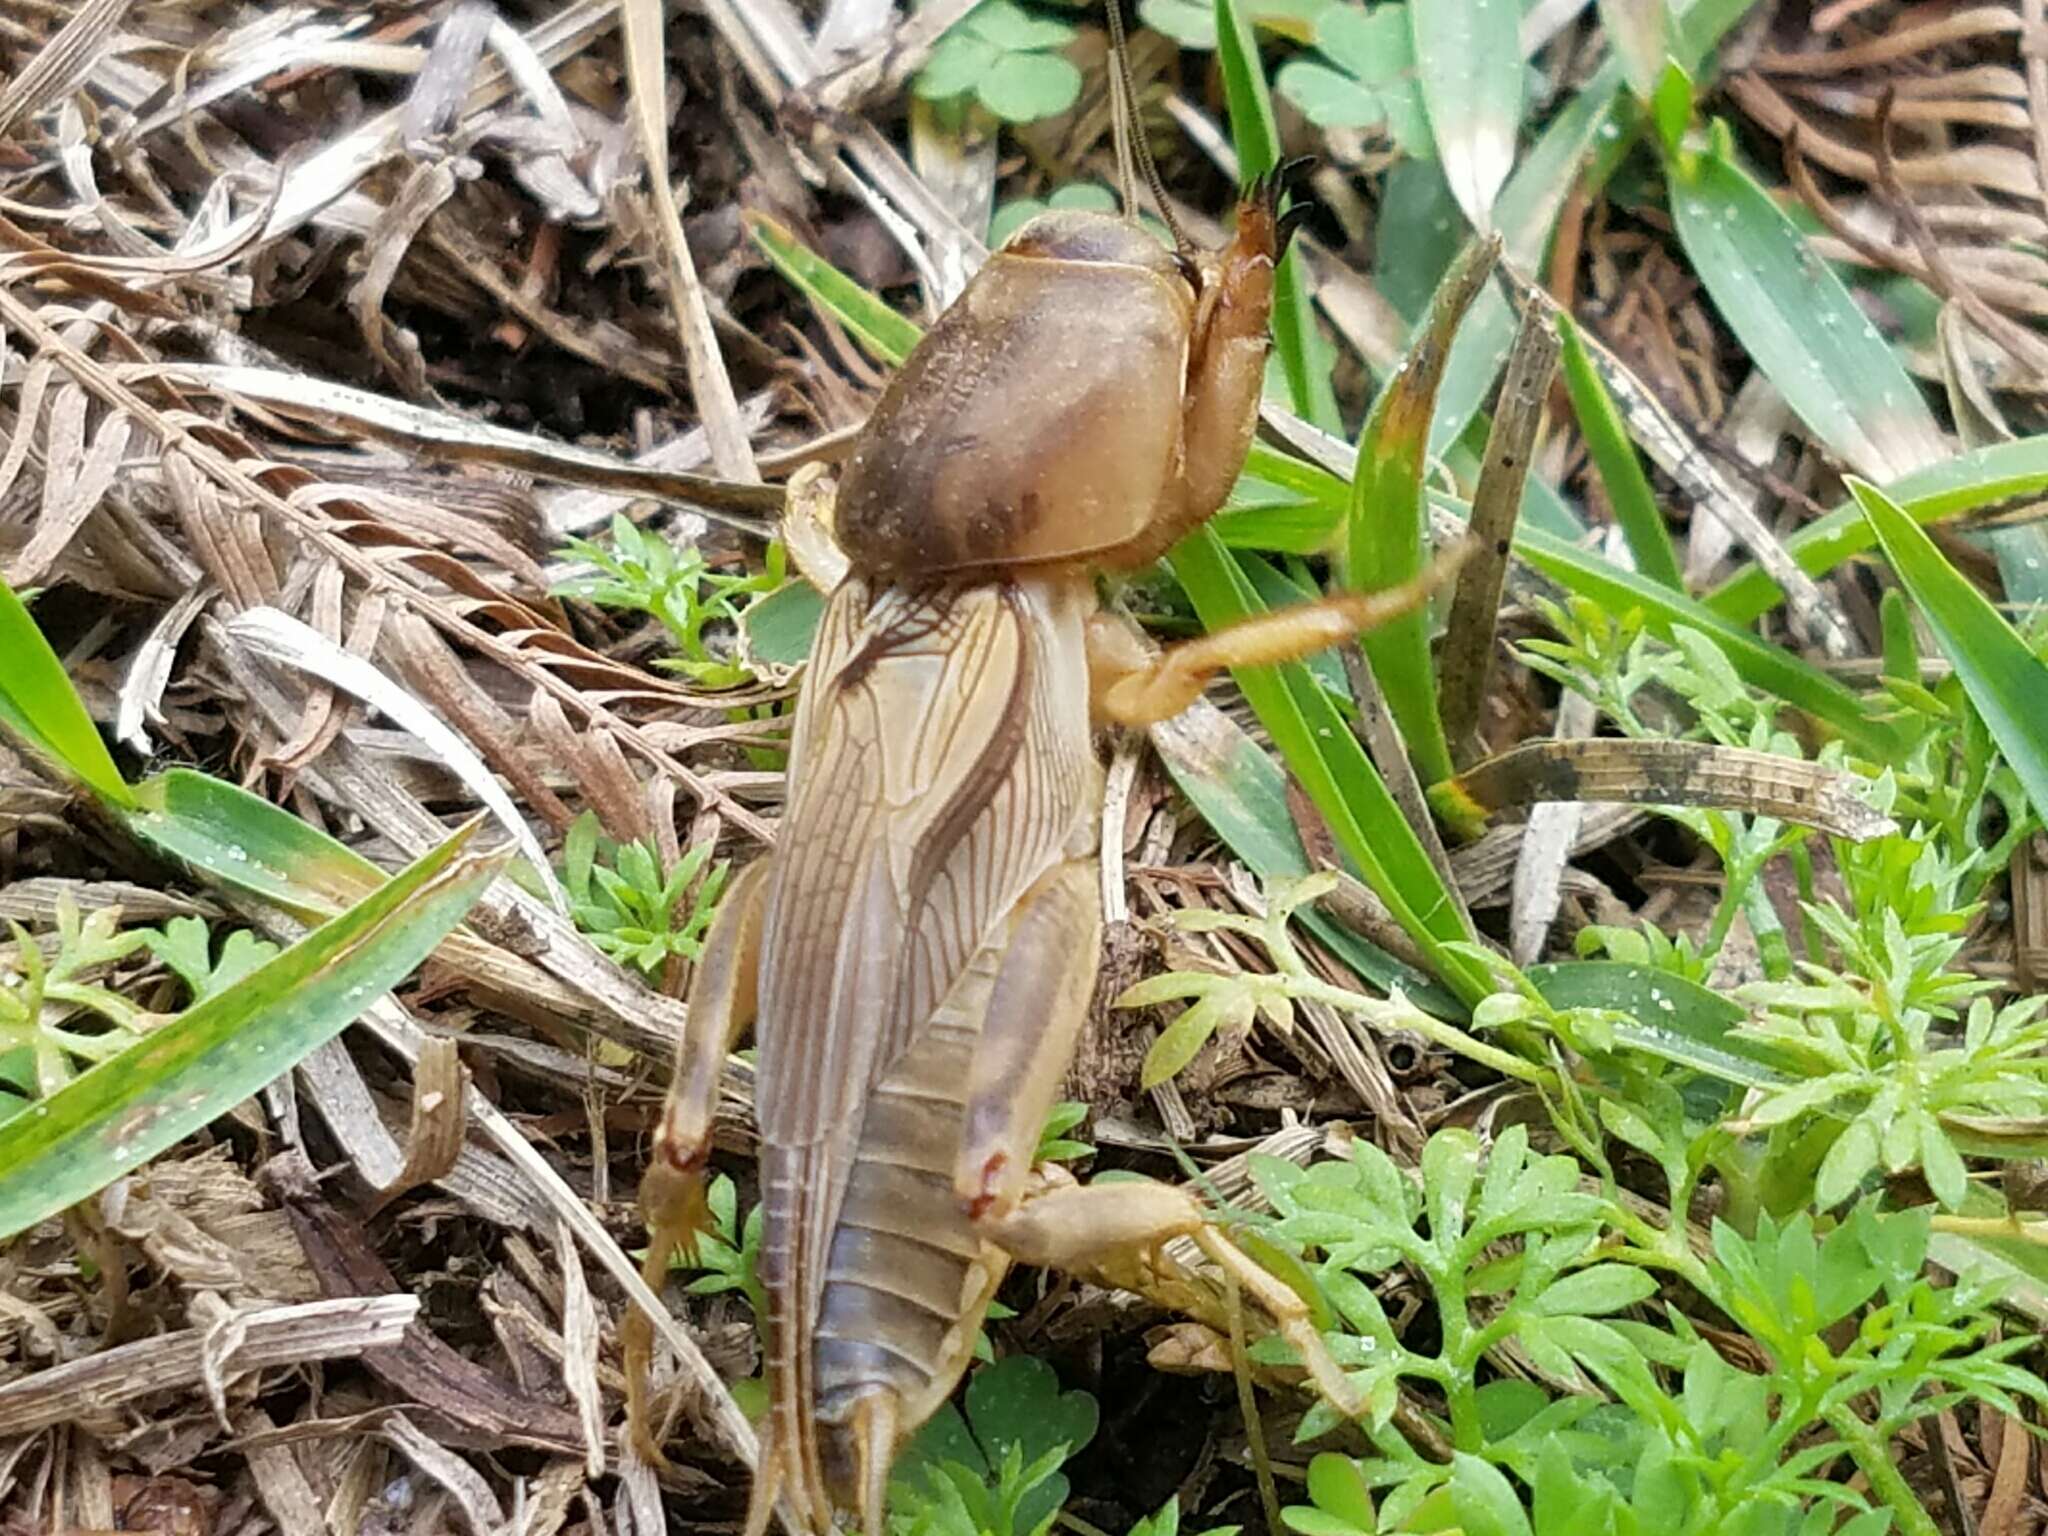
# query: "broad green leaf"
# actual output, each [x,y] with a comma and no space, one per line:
[1797,320]
[1340,1489]
[1594,1291]
[1386,544]
[1257,138]
[1621,471]
[1328,97]
[2005,680]
[119,1114]
[2005,472]
[1486,1501]
[1369,80]
[957,64]
[1673,1019]
[888,335]
[1317,744]
[38,702]
[782,625]
[1468,57]
[1024,87]
[1015,30]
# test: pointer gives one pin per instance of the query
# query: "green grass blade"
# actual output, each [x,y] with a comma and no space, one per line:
[1468,59]
[1621,471]
[1525,213]
[1256,135]
[1588,130]
[1769,667]
[38,702]
[886,334]
[2004,472]
[1317,745]
[1797,320]
[115,1117]
[242,841]
[2005,680]
[1385,542]
[1671,1018]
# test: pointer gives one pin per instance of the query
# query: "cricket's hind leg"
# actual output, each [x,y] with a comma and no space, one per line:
[1034,1012]
[1111,1231]
[721,1005]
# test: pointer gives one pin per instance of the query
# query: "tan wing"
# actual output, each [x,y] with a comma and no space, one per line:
[940,764]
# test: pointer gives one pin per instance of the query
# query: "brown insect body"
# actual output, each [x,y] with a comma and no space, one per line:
[918,952]
[944,772]
[1039,421]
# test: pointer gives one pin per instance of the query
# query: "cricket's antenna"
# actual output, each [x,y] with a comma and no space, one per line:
[1131,147]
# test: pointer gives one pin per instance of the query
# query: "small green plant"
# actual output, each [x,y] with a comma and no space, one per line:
[1193,24]
[641,572]
[42,1004]
[1520,1258]
[1234,1000]
[729,1252]
[628,908]
[1513,1254]
[1362,76]
[185,945]
[1054,1145]
[1167,1523]
[996,1470]
[1871,1041]
[1088,195]
[1006,58]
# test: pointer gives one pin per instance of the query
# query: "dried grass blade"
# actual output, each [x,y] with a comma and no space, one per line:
[277,636]
[61,63]
[1657,772]
[445,435]
[435,1133]
[271,1337]
[1466,661]
[710,386]
[1537,889]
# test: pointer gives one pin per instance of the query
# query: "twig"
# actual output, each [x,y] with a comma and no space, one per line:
[1467,663]
[710,386]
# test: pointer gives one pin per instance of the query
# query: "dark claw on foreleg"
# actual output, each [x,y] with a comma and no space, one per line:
[1274,187]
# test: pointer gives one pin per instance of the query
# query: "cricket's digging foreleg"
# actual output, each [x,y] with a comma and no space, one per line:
[1130,686]
[721,1005]
[1225,375]
[1092,1228]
